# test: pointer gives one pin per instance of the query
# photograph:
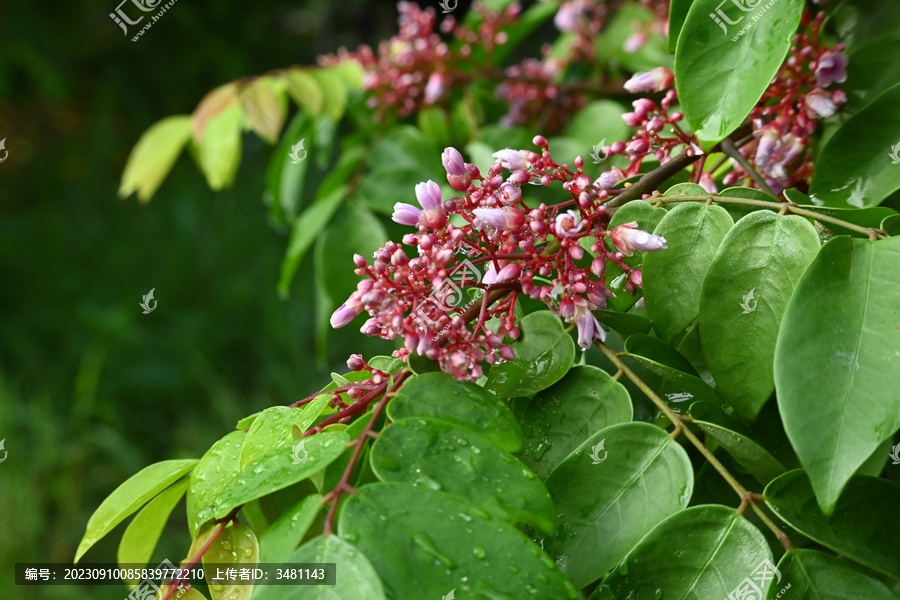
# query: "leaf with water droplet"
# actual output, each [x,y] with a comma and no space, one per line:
[235,546]
[216,469]
[283,536]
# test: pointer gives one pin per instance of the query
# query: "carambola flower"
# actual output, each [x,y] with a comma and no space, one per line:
[627,238]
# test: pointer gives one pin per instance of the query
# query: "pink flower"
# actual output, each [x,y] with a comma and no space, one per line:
[568,224]
[509,193]
[708,183]
[610,178]
[457,174]
[767,145]
[511,159]
[509,273]
[588,327]
[490,275]
[652,81]
[506,218]
[819,103]
[568,15]
[343,315]
[832,68]
[635,42]
[627,238]
[434,89]
[433,216]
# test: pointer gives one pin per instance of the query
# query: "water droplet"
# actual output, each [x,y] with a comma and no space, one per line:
[462,442]
[248,552]
[478,552]
[476,450]
[226,544]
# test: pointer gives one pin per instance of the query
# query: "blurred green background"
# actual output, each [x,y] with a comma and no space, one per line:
[91,389]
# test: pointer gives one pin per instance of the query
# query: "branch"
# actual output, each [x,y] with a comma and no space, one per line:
[729,148]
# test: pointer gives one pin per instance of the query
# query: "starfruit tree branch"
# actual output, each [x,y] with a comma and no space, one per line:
[747,497]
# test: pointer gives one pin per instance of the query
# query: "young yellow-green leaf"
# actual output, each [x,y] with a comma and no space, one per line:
[701,553]
[236,546]
[142,534]
[219,149]
[814,575]
[279,469]
[734,436]
[861,175]
[189,594]
[570,411]
[722,70]
[744,295]
[153,156]
[863,526]
[460,403]
[618,485]
[283,536]
[441,456]
[136,491]
[672,278]
[305,90]
[355,580]
[220,464]
[334,92]
[426,544]
[544,353]
[837,367]
[265,106]
[270,429]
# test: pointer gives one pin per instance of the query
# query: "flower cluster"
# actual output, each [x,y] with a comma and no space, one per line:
[556,254]
[416,67]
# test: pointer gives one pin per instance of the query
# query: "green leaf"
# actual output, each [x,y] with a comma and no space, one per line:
[278,470]
[305,90]
[283,536]
[618,485]
[334,92]
[836,360]
[738,211]
[426,544]
[624,324]
[736,439]
[136,491]
[686,189]
[598,123]
[434,123]
[678,10]
[682,381]
[356,579]
[744,295]
[700,553]
[219,149]
[720,73]
[304,232]
[865,217]
[142,534]
[284,178]
[265,107]
[218,467]
[385,364]
[460,403]
[891,225]
[855,174]
[237,546]
[570,411]
[153,156]
[544,353]
[672,278]
[863,526]
[270,429]
[814,575]
[440,456]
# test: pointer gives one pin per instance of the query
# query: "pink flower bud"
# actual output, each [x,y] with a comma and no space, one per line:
[653,81]
[509,273]
[359,260]
[708,183]
[406,214]
[457,174]
[429,196]
[568,224]
[356,362]
[818,103]
[627,238]
[435,88]
[343,315]
[638,146]
[511,159]
[597,266]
